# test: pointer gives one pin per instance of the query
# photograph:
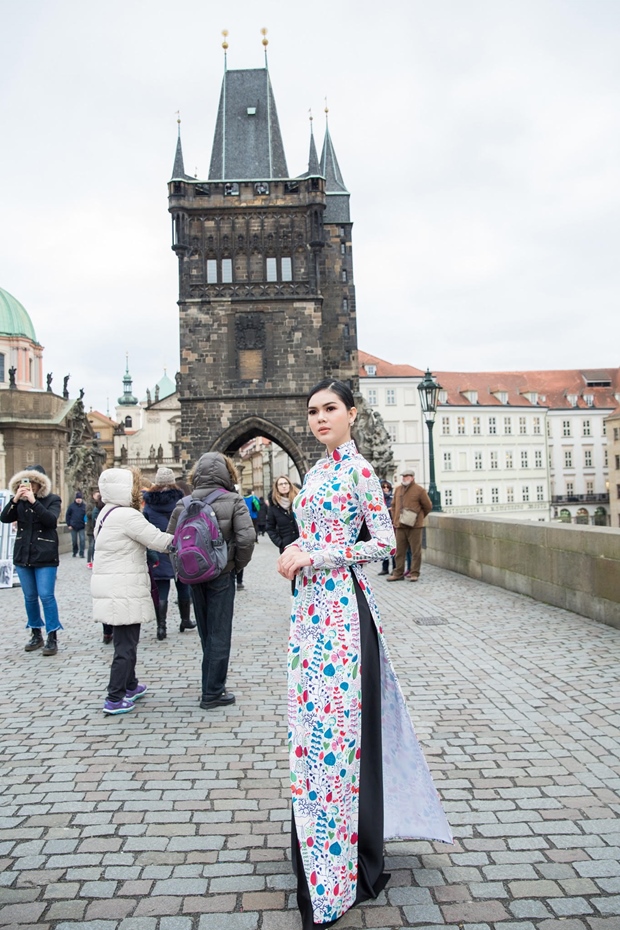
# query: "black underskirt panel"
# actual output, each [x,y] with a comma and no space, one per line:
[371,877]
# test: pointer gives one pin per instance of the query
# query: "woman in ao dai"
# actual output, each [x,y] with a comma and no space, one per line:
[357,776]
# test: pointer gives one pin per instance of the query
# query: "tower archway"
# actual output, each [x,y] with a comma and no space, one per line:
[237,435]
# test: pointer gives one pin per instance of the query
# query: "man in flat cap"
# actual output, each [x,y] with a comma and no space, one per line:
[409,507]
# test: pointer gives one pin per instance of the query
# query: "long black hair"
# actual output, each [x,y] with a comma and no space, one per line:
[342,390]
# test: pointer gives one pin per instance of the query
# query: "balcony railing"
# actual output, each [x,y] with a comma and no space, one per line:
[580,499]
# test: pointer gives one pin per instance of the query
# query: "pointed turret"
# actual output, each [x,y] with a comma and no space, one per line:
[336,194]
[314,167]
[127,399]
[330,168]
[178,170]
[247,143]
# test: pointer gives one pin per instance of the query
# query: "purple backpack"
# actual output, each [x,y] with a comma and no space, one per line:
[199,552]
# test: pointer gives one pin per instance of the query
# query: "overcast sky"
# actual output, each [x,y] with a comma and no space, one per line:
[480,141]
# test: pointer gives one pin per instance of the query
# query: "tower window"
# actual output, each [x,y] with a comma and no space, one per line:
[1,367]
[345,303]
[287,268]
[128,422]
[211,271]
[272,269]
[344,275]
[227,270]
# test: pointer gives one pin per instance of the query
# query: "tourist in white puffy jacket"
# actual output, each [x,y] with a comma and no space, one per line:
[120,584]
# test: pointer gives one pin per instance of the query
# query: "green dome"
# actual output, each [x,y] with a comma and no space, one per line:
[166,386]
[14,320]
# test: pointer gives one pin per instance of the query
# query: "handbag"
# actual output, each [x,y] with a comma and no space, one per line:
[407,517]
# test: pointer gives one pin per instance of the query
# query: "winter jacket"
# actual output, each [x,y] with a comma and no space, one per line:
[158,507]
[120,584]
[75,515]
[281,525]
[413,497]
[36,543]
[92,512]
[232,514]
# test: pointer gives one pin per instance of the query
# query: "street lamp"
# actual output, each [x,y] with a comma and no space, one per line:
[429,393]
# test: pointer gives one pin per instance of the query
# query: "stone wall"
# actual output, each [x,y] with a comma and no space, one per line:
[569,566]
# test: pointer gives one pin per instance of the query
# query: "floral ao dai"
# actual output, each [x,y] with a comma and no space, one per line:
[324,687]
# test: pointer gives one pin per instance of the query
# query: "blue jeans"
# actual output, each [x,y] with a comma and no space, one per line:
[38,583]
[214,602]
[78,535]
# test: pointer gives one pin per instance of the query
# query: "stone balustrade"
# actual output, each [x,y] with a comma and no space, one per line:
[570,566]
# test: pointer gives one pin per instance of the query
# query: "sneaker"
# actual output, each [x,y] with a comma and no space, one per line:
[395,578]
[223,700]
[118,707]
[136,694]
[383,572]
[240,587]
[89,565]
[108,638]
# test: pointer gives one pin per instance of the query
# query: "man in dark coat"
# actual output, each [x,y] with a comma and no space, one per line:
[76,519]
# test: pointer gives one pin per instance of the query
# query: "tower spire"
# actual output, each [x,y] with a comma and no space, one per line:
[178,170]
[314,167]
[225,47]
[330,168]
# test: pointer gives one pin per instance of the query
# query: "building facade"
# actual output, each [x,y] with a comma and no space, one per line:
[613,440]
[529,445]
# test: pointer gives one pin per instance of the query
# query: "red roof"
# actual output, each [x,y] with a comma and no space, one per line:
[554,389]
[386,369]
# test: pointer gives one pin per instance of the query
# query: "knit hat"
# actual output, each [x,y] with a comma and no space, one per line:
[79,496]
[164,476]
[38,468]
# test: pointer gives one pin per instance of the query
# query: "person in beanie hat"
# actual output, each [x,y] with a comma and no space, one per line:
[35,556]
[76,519]
[159,503]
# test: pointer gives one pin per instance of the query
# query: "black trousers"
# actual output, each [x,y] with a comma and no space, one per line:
[371,878]
[123,670]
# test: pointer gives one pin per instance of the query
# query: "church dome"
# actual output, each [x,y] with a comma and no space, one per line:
[14,320]
[166,386]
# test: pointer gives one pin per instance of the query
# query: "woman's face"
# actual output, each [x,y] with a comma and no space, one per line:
[329,419]
[283,487]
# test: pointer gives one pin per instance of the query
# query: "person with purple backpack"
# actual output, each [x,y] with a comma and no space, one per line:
[213,481]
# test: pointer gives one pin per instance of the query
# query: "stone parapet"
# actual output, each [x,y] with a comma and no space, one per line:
[573,567]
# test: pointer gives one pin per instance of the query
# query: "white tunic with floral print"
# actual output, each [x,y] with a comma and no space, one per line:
[324,687]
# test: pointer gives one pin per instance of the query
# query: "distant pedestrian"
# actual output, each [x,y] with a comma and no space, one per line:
[159,503]
[386,487]
[76,519]
[410,506]
[214,600]
[92,512]
[261,520]
[120,584]
[281,525]
[36,510]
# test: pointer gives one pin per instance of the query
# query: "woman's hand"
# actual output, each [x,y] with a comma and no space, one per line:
[291,560]
[24,492]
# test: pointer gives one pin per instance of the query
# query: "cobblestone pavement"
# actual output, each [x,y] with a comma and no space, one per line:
[175,818]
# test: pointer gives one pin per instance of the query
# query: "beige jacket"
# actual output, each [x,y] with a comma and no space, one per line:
[120,585]
[413,497]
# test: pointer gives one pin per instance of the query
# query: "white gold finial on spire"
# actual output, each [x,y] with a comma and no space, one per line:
[225,47]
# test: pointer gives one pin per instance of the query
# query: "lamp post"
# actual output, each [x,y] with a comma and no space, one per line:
[429,390]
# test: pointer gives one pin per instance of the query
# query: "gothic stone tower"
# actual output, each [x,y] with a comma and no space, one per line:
[266,296]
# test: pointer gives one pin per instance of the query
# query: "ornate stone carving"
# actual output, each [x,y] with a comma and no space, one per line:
[250,331]
[373,440]
[85,458]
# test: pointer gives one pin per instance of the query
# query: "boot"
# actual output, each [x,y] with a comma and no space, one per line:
[186,622]
[162,613]
[51,646]
[36,640]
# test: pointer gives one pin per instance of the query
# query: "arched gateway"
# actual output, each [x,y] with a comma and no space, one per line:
[266,295]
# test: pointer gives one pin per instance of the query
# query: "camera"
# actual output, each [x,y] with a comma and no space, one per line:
[25,481]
